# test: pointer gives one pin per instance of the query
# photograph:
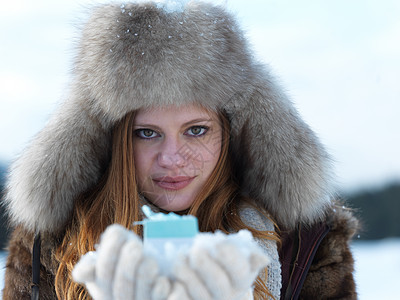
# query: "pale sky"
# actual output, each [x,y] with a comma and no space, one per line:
[338,60]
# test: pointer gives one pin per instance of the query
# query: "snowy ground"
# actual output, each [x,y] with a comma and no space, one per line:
[2,266]
[377,269]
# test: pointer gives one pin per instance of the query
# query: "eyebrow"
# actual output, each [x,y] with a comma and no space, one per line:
[197,121]
[183,125]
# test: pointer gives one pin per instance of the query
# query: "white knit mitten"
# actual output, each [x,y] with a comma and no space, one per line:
[119,269]
[220,266]
[217,267]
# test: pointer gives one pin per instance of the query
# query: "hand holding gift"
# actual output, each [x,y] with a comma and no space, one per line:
[206,266]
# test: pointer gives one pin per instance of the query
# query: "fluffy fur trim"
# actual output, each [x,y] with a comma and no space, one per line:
[331,273]
[142,56]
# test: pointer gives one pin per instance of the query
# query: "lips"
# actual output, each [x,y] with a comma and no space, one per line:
[173,183]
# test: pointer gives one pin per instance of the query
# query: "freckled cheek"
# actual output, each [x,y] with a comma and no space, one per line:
[206,156]
[144,161]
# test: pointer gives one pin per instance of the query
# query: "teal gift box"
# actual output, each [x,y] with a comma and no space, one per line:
[166,235]
[170,227]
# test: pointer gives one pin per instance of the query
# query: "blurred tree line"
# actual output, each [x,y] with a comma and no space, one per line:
[379,211]
[4,231]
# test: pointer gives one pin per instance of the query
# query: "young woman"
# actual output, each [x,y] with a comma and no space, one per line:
[168,108]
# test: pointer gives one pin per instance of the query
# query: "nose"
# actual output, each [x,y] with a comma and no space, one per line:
[171,154]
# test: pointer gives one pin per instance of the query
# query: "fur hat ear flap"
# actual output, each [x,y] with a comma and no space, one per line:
[64,159]
[198,55]
[278,160]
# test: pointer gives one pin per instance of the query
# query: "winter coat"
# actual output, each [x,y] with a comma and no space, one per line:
[323,268]
[142,55]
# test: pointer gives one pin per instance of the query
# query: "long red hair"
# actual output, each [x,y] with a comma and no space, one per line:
[115,199]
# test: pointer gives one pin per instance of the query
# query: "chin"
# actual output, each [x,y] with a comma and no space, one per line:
[171,202]
[174,207]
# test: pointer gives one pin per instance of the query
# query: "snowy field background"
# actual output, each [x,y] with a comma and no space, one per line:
[377,269]
[339,61]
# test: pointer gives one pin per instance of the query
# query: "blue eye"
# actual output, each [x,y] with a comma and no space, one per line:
[197,131]
[146,133]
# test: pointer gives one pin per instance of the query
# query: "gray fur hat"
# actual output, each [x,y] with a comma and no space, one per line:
[142,55]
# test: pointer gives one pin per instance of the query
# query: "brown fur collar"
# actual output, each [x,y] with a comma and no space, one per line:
[331,273]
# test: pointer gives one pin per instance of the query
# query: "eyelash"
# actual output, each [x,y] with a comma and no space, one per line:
[204,128]
[139,132]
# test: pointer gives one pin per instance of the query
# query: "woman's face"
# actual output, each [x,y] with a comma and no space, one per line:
[175,149]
